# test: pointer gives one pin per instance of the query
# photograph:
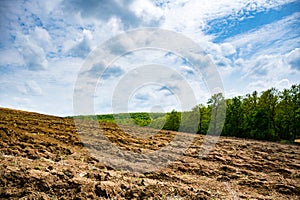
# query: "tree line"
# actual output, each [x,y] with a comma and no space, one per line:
[271,115]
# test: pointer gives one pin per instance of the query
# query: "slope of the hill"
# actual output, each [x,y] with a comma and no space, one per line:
[42,157]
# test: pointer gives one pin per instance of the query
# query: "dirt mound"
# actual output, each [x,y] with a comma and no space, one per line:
[42,157]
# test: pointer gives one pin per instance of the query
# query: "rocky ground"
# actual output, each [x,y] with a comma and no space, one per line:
[44,157]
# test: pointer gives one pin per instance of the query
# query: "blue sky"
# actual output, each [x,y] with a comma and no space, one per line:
[255,45]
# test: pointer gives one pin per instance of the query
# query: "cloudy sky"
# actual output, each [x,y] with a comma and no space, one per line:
[255,45]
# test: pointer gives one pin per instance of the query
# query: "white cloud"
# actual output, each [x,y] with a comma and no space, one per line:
[146,10]
[81,49]
[88,34]
[33,55]
[150,96]
[276,38]
[263,85]
[10,57]
[270,66]
[48,6]
[51,39]
[21,103]
[283,84]
[42,38]
[258,73]
[103,10]
[263,58]
[47,91]
[32,88]
[191,15]
[32,48]
[293,58]
[227,49]
[258,86]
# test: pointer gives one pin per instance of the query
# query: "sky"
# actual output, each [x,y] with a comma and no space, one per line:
[254,44]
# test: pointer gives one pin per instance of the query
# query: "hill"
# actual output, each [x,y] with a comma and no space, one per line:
[43,157]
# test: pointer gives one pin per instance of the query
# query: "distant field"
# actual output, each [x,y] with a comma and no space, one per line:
[140,118]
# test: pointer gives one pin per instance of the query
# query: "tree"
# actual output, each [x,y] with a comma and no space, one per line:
[268,102]
[249,108]
[273,115]
[173,121]
[200,117]
[218,110]
[288,117]
[234,117]
[259,122]
[295,105]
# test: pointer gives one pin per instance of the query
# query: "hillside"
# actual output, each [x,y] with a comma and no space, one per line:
[42,157]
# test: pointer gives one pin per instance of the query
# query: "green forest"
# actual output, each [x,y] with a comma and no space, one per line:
[272,115]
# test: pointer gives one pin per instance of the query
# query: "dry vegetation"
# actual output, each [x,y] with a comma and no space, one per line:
[42,157]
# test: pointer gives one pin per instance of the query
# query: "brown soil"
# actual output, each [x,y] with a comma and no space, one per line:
[42,157]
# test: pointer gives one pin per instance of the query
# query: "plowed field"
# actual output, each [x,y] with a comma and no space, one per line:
[43,157]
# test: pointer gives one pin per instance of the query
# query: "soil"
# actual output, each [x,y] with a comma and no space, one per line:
[43,157]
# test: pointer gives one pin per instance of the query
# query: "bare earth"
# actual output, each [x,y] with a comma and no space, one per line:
[42,157]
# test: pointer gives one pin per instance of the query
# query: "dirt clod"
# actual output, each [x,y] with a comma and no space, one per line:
[43,157]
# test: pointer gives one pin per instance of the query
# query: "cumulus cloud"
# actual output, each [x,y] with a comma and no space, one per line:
[111,72]
[27,48]
[80,46]
[150,83]
[262,40]
[260,59]
[258,73]
[293,58]
[42,38]
[283,84]
[9,11]
[10,57]
[188,16]
[51,40]
[145,9]
[104,10]
[81,49]
[262,85]
[150,96]
[267,67]
[227,49]
[32,88]
[33,55]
